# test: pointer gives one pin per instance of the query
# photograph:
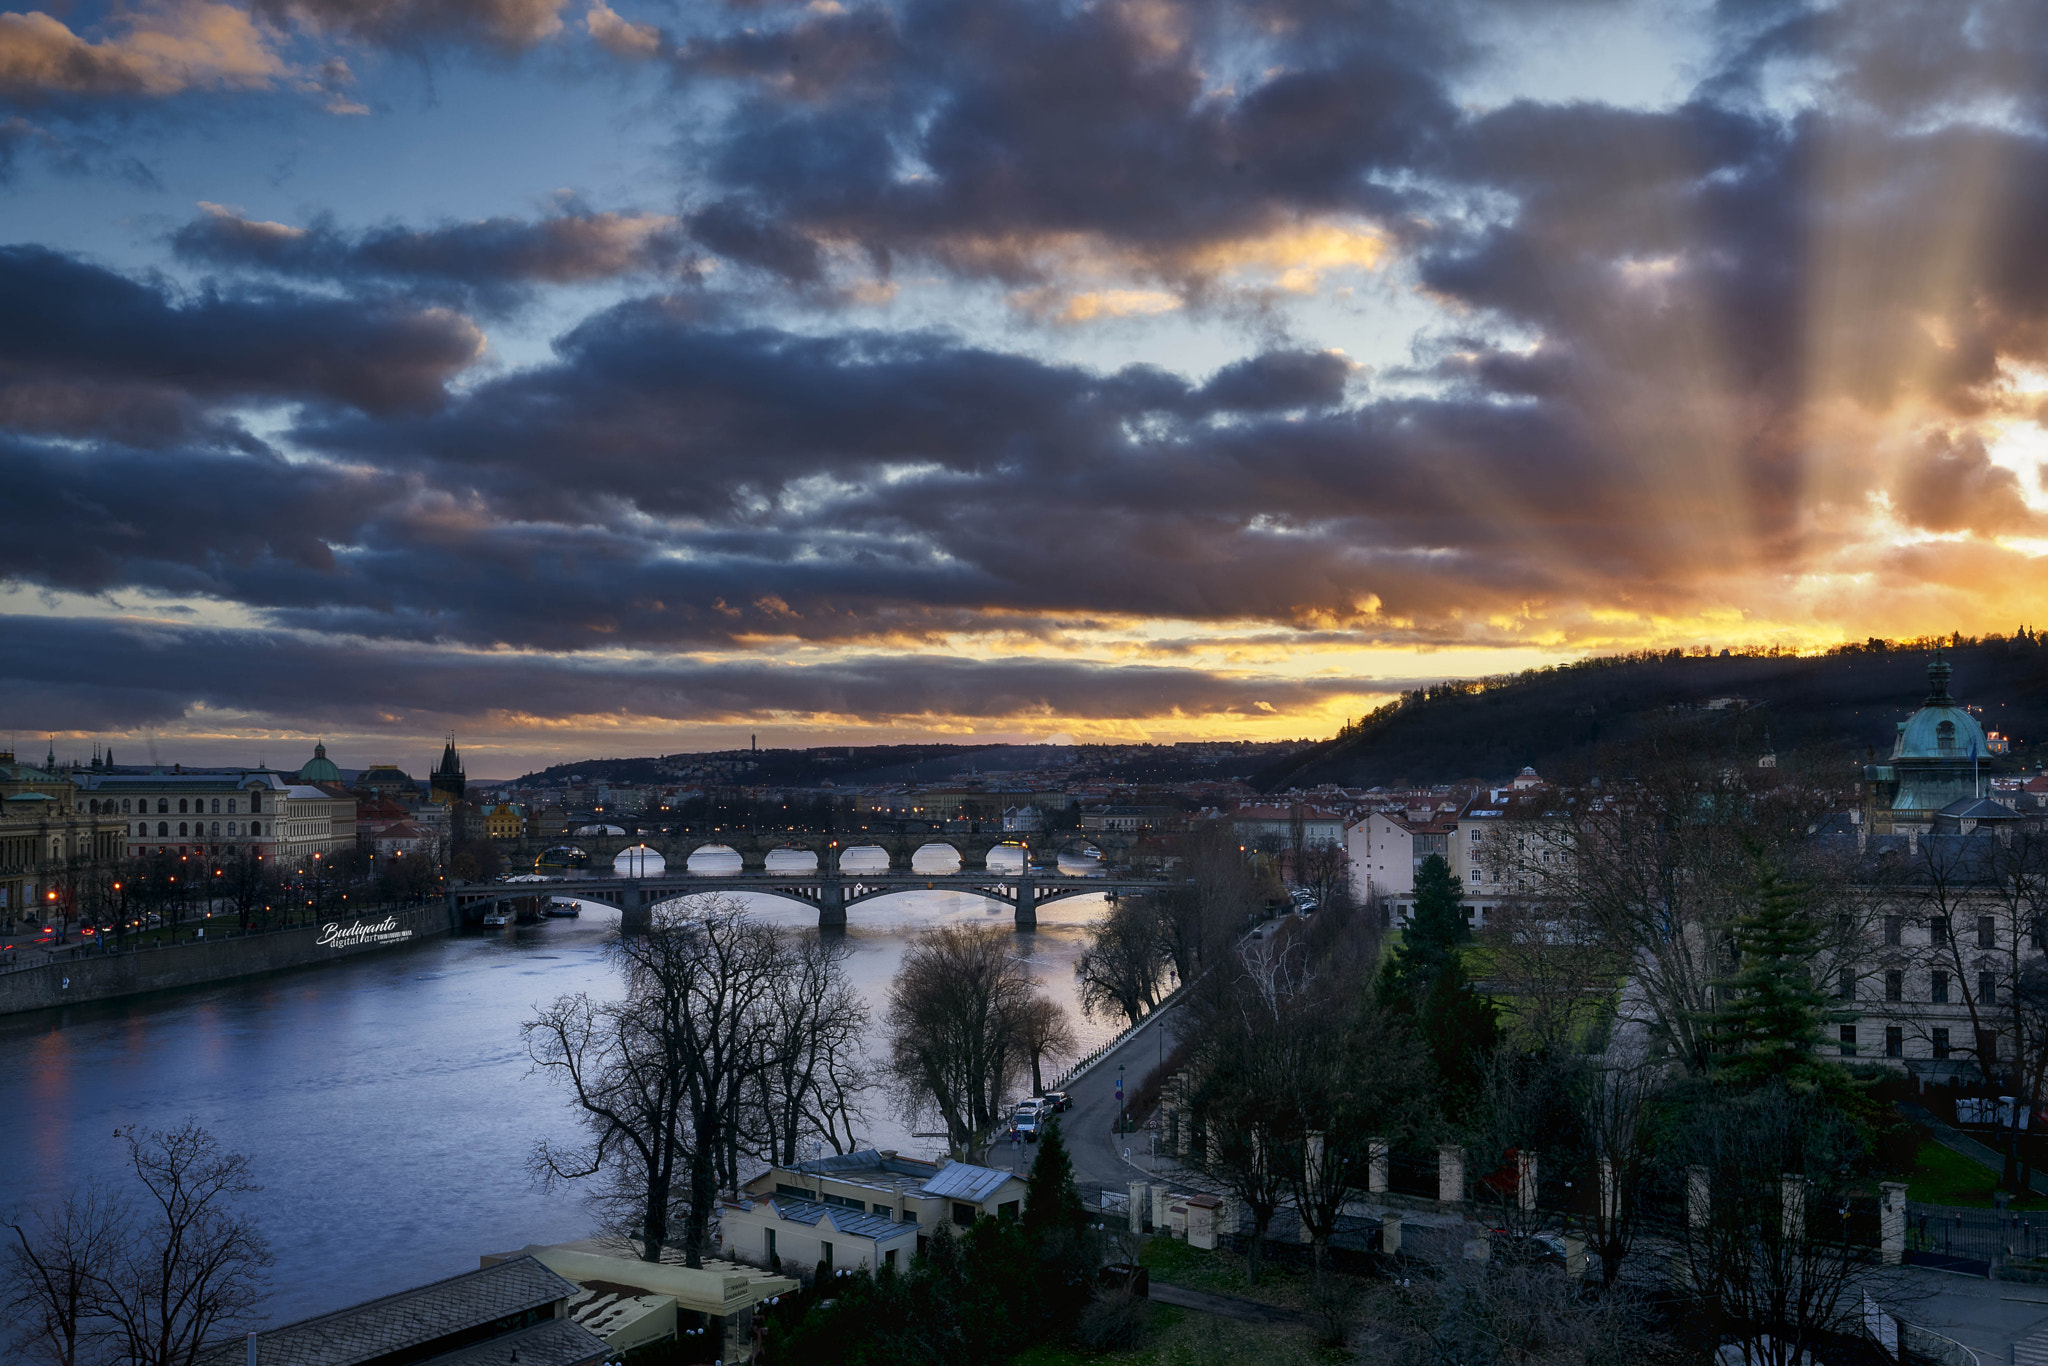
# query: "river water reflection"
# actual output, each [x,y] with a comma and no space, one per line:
[388,1102]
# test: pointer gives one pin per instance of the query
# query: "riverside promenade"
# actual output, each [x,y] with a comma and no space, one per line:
[47,977]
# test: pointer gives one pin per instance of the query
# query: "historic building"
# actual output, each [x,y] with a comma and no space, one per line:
[1937,761]
[446,784]
[47,833]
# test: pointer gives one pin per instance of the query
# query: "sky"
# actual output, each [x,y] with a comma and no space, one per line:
[581,380]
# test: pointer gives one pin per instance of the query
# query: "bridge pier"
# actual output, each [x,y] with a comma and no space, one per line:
[831,902]
[637,915]
[1027,903]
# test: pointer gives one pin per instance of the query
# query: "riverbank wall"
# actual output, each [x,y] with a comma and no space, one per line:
[97,976]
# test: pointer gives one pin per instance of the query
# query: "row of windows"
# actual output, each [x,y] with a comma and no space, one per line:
[163,806]
[163,828]
[1939,1043]
[1941,930]
[1940,987]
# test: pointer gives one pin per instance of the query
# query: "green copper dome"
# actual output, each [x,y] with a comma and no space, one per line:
[1941,729]
[319,768]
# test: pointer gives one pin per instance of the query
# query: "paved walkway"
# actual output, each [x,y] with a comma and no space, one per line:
[1956,1141]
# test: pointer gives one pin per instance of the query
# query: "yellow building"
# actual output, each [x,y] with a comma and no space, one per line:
[504,820]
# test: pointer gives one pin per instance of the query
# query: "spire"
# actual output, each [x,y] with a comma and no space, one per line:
[1937,682]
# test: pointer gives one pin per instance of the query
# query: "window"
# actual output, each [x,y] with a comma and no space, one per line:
[1893,926]
[181,806]
[163,830]
[1987,1048]
[1007,1210]
[909,1214]
[1894,1041]
[963,1215]
[1945,735]
[231,829]
[824,1258]
[768,1246]
[1478,835]
[163,805]
[142,828]
[1937,988]
[231,806]
[1987,933]
[1848,1041]
[889,1259]
[216,806]
[216,826]
[1941,1044]
[255,801]
[124,806]
[1937,931]
[1845,985]
[255,827]
[1987,988]
[181,829]
[1895,986]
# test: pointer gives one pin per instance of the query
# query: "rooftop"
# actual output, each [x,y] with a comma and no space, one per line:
[847,1221]
[965,1181]
[413,1318]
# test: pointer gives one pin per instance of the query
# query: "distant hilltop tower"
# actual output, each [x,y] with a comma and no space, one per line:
[445,785]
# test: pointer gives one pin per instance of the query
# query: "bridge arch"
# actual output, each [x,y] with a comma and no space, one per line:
[711,860]
[937,856]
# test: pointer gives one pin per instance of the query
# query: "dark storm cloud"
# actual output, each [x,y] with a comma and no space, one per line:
[490,260]
[980,135]
[66,325]
[148,673]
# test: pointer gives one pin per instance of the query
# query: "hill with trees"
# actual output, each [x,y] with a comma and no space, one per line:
[1829,709]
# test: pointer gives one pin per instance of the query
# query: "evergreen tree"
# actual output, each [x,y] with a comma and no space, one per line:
[1459,1027]
[1426,979]
[1052,1202]
[1773,1014]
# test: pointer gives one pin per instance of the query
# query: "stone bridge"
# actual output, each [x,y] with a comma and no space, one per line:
[828,889]
[899,841]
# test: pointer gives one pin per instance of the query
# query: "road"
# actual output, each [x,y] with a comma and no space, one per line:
[1087,1128]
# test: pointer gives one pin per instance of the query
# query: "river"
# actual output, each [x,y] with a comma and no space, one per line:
[387,1101]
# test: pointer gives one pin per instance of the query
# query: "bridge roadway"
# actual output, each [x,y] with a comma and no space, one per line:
[831,893]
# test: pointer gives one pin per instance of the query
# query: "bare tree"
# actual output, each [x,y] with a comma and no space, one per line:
[192,1266]
[662,1075]
[1764,1253]
[52,1287]
[814,1077]
[1123,969]
[1046,1035]
[956,1012]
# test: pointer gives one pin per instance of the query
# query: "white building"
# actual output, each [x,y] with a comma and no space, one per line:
[216,814]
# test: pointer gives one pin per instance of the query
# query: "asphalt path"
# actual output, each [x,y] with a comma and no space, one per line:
[1088,1128]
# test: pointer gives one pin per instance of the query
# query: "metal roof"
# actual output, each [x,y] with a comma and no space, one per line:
[558,1342]
[847,1221]
[965,1181]
[411,1318]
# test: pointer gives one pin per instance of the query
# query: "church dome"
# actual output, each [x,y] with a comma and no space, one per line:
[319,768]
[1941,729]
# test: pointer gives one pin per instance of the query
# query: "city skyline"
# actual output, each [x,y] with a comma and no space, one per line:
[589,380]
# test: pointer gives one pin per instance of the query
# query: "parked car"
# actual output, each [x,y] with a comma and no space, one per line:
[1528,1249]
[1025,1125]
[1059,1101]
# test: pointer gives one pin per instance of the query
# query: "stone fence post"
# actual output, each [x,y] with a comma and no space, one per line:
[1141,1195]
[1376,1166]
[1525,1180]
[1390,1234]
[1697,1194]
[1450,1174]
[1891,1218]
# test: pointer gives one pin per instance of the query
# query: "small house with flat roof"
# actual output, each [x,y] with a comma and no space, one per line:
[867,1205]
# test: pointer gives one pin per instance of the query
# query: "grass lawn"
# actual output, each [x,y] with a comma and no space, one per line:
[1223,1273]
[1942,1177]
[1182,1337]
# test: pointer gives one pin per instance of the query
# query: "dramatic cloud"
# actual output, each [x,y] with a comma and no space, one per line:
[490,259]
[75,338]
[147,674]
[1256,336]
